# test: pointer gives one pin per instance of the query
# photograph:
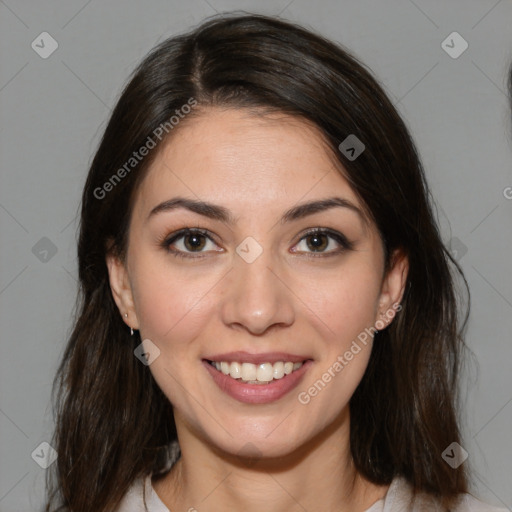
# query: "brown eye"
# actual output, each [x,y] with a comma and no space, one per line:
[186,242]
[194,241]
[324,242]
[317,242]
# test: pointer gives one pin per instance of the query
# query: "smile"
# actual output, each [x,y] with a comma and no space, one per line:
[260,381]
[250,373]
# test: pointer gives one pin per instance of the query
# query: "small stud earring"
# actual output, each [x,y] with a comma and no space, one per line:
[131,328]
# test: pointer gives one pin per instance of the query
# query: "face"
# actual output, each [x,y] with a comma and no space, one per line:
[257,283]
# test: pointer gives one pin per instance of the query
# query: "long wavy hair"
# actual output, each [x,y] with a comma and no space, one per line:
[113,423]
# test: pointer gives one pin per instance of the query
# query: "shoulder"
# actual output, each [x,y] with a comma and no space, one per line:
[400,498]
[141,490]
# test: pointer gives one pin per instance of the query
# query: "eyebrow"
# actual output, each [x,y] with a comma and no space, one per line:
[219,213]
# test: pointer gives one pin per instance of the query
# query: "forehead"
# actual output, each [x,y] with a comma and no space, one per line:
[243,160]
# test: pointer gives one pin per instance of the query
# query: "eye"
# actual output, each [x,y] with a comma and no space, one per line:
[193,243]
[323,241]
[188,241]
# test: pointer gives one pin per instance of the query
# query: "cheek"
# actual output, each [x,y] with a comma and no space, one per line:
[173,308]
[171,304]
[343,304]
[344,310]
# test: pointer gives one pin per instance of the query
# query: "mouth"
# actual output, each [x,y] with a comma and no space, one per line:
[259,374]
[257,382]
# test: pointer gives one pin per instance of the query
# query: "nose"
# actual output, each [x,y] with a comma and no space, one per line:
[257,297]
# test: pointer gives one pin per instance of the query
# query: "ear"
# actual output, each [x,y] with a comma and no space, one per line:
[121,290]
[392,290]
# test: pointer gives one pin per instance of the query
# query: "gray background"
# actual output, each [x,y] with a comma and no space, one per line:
[53,112]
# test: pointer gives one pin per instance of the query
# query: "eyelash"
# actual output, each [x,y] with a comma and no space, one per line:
[346,245]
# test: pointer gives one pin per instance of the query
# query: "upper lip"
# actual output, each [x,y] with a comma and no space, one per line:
[247,357]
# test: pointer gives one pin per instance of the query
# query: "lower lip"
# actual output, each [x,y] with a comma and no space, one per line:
[257,393]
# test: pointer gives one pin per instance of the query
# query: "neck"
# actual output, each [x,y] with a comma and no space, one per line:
[320,475]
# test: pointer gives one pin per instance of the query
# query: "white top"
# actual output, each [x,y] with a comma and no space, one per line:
[396,500]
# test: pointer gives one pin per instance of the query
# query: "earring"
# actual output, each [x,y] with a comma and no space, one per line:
[131,328]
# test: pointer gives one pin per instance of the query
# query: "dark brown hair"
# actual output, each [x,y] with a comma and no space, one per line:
[112,420]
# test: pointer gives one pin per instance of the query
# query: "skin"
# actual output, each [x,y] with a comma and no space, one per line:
[257,167]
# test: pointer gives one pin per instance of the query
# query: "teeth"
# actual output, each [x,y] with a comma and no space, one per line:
[256,374]
[265,372]
[249,371]
[278,370]
[235,370]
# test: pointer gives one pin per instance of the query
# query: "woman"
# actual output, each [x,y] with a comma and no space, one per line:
[268,317]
